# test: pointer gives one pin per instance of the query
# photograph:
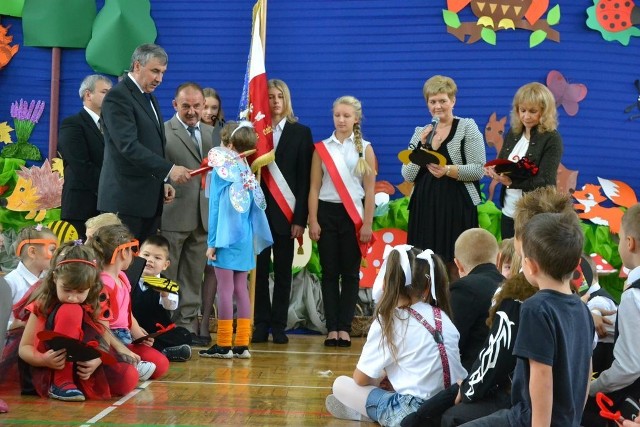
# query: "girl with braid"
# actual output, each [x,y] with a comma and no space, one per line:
[341,214]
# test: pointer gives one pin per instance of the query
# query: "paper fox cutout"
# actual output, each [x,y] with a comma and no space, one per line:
[590,197]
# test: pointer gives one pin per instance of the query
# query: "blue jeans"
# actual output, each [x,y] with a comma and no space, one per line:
[389,409]
[123,334]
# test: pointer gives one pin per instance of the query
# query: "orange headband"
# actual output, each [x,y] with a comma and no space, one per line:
[82,261]
[35,242]
[134,245]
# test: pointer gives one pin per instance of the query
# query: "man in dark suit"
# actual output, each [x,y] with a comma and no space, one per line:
[185,221]
[293,145]
[81,146]
[135,176]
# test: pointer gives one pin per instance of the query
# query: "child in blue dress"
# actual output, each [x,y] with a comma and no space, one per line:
[238,231]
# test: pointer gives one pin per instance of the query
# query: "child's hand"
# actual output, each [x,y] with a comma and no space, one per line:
[131,355]
[164,294]
[55,359]
[365,233]
[211,254]
[314,231]
[86,369]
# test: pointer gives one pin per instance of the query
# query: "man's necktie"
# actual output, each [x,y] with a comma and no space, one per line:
[100,126]
[192,132]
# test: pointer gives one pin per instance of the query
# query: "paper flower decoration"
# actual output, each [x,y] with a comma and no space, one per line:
[25,117]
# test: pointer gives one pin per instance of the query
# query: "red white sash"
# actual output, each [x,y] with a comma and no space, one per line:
[279,189]
[344,182]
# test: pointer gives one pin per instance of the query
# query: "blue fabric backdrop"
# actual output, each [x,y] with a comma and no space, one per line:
[381,51]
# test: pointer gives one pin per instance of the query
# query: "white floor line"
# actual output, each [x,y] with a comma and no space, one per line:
[120,402]
[338,353]
[243,385]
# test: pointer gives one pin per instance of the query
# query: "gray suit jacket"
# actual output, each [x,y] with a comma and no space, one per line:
[190,207]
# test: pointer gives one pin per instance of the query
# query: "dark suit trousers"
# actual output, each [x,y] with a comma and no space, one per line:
[141,228]
[340,261]
[274,312]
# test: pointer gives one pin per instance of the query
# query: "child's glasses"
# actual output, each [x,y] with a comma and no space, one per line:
[44,242]
[133,245]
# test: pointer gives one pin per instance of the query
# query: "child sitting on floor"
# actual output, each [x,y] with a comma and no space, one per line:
[412,340]
[115,246]
[152,307]
[68,302]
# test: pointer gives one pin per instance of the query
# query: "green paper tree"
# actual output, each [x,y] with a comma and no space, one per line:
[119,28]
[57,23]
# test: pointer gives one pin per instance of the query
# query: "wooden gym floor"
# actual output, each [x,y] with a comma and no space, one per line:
[280,385]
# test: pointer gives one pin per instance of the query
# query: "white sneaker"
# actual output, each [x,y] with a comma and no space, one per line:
[145,369]
[343,412]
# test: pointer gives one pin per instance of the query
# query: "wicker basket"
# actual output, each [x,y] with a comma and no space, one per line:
[360,324]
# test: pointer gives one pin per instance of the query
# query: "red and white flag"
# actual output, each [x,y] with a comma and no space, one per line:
[254,105]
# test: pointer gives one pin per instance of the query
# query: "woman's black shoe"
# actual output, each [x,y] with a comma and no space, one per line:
[344,343]
[330,342]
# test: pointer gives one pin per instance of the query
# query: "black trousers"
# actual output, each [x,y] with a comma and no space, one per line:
[506,227]
[268,312]
[340,261]
[141,228]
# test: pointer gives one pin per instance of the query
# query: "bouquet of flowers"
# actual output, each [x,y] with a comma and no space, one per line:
[25,116]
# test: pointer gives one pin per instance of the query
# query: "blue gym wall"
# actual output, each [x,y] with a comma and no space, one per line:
[381,51]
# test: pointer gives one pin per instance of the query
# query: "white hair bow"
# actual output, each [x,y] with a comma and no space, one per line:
[242,124]
[428,256]
[378,284]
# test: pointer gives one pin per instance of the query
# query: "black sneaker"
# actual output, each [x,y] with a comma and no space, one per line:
[261,334]
[279,337]
[217,352]
[200,341]
[241,352]
[179,353]
[68,395]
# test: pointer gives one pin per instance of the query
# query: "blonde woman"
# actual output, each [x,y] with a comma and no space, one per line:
[342,176]
[534,135]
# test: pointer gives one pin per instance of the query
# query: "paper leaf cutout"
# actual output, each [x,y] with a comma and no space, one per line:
[11,7]
[120,27]
[5,136]
[566,94]
[613,23]
[57,166]
[537,37]
[488,35]
[451,18]
[456,5]
[6,50]
[553,17]
[536,10]
[58,23]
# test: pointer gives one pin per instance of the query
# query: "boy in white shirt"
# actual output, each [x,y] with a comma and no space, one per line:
[151,306]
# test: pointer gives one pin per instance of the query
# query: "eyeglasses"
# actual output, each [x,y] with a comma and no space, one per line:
[133,245]
[44,242]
